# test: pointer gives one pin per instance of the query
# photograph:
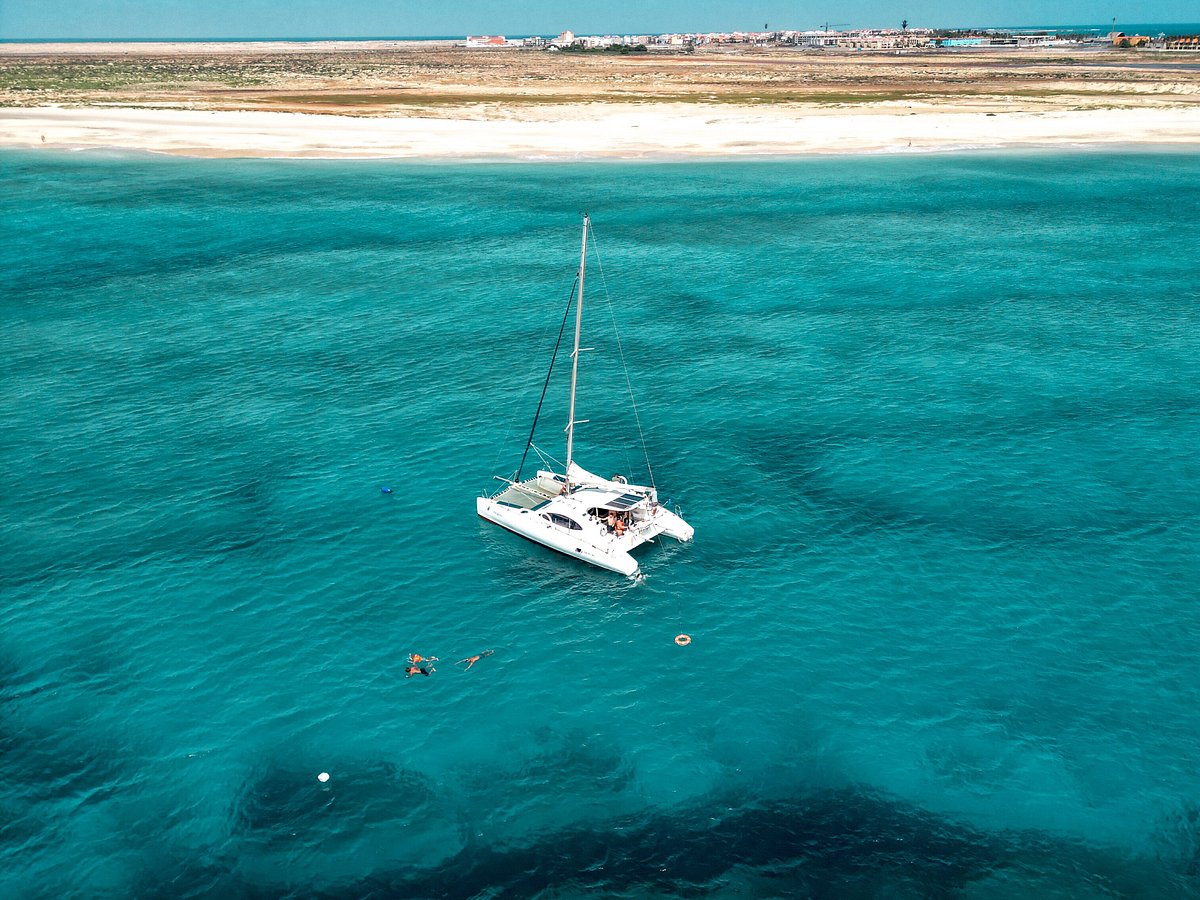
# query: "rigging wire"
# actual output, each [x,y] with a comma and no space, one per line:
[557,344]
[621,353]
[513,415]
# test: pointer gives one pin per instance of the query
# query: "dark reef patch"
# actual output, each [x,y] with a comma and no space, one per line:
[838,843]
[281,801]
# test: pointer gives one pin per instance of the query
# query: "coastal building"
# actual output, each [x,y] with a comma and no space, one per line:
[816,38]
[878,39]
[1182,42]
[1121,39]
[884,38]
[486,40]
[1038,39]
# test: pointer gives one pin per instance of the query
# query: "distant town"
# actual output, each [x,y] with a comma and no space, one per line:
[903,38]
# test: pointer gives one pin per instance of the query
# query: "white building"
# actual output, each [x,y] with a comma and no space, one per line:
[487,40]
[817,38]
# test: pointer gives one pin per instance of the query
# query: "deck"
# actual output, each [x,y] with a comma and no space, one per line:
[524,495]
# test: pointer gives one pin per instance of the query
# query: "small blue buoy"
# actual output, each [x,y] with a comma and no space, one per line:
[385,490]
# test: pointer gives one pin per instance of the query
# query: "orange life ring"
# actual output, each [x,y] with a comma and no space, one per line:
[683,640]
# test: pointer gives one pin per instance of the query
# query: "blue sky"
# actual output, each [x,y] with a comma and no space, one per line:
[365,18]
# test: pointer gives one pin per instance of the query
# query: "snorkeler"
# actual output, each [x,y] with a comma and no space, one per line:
[415,659]
[410,671]
[471,660]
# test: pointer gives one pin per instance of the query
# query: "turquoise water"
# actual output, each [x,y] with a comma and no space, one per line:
[934,419]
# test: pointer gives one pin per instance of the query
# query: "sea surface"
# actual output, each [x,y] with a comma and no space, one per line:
[935,419]
[1148,28]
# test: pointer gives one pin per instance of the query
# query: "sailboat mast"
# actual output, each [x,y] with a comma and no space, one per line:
[575,351]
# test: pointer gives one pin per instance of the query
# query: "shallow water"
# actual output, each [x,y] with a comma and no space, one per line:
[934,420]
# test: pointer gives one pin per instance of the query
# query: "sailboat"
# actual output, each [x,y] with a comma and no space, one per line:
[594,519]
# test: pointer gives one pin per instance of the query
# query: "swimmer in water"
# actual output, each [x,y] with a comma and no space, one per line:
[410,671]
[415,659]
[471,660]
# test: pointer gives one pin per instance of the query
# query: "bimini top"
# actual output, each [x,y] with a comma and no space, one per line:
[602,499]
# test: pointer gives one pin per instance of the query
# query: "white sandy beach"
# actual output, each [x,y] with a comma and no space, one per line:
[587,131]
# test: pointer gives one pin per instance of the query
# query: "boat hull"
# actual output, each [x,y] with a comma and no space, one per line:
[535,528]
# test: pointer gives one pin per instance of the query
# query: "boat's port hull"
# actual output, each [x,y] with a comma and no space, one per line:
[533,527]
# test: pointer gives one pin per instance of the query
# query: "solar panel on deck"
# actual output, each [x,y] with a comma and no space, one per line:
[625,501]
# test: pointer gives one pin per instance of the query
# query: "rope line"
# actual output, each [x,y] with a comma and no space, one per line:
[621,353]
[545,386]
[516,399]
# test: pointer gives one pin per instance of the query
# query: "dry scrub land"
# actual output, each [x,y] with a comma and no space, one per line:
[439,80]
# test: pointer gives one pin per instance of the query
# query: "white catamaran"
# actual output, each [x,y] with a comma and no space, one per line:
[598,520]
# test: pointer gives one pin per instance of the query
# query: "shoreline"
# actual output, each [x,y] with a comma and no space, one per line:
[591,132]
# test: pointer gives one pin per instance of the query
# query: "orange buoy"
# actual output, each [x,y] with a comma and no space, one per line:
[683,640]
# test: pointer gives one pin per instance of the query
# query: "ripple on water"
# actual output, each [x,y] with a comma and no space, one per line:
[940,461]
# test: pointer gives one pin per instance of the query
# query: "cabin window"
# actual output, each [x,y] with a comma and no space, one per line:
[563,521]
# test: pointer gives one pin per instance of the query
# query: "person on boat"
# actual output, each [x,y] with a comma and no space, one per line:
[612,521]
[620,526]
[410,671]
[471,660]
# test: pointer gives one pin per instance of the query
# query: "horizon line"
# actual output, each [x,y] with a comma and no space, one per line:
[450,37]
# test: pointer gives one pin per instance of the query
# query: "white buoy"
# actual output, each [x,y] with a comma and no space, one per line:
[323,777]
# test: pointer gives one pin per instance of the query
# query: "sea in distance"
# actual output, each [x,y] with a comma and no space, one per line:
[934,418]
[1152,29]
